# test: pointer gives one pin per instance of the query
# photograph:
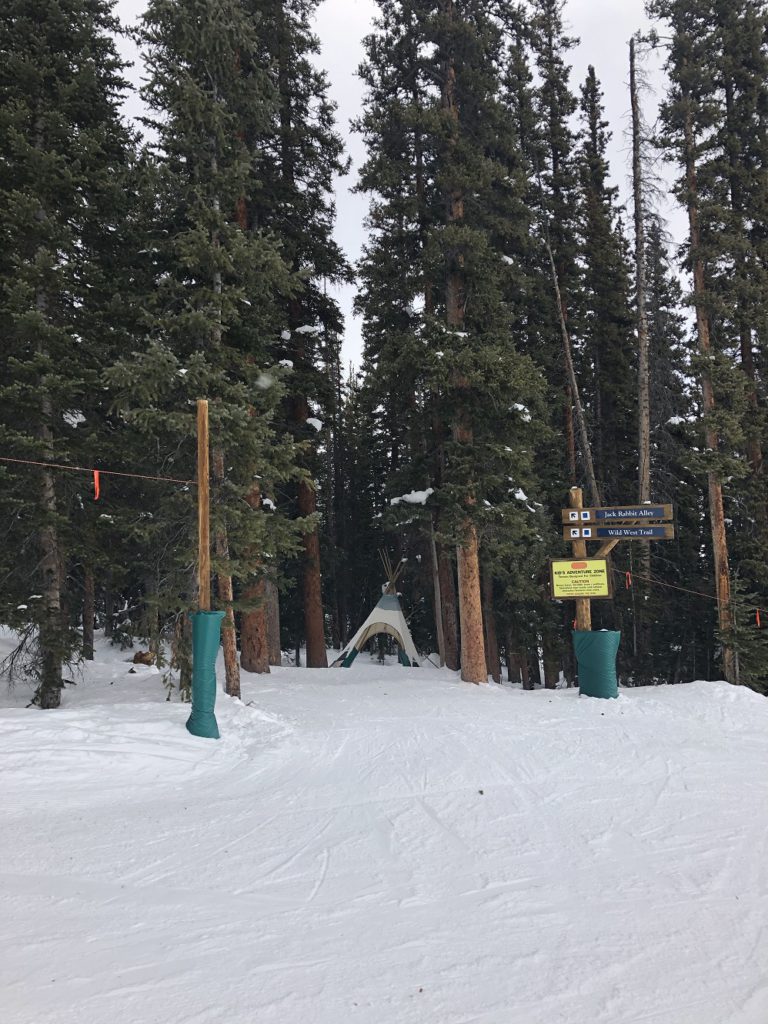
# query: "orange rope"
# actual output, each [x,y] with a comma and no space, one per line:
[671,586]
[104,472]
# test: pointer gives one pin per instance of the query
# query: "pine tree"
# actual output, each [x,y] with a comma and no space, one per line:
[690,116]
[296,203]
[606,320]
[737,173]
[680,624]
[65,157]
[715,125]
[555,167]
[398,290]
[448,185]
[218,289]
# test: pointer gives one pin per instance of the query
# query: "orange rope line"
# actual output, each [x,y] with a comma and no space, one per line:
[671,586]
[104,472]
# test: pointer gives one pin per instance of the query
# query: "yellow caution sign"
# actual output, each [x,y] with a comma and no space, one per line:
[580,577]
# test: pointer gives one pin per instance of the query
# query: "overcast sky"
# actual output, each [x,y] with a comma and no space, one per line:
[603,27]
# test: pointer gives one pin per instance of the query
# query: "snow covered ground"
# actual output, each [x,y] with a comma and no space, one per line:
[384,846]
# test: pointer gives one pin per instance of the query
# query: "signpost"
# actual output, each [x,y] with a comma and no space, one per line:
[583,579]
[609,526]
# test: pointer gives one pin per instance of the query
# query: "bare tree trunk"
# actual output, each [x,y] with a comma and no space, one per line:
[643,339]
[254,640]
[473,668]
[298,406]
[51,624]
[754,448]
[510,656]
[273,622]
[221,541]
[151,616]
[254,646]
[311,583]
[438,601]
[493,661]
[449,605]
[89,611]
[570,437]
[109,607]
[525,676]
[535,662]
[715,487]
[181,654]
[551,663]
[518,670]
[51,639]
[573,384]
[225,591]
[643,354]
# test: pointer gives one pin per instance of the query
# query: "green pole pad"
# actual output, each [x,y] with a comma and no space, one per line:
[596,655]
[206,637]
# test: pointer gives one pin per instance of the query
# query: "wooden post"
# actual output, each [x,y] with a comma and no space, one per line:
[203,509]
[583,604]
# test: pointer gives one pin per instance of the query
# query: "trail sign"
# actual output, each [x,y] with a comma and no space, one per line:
[619,513]
[580,578]
[665,531]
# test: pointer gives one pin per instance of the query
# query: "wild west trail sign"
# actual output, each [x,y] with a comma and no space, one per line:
[633,532]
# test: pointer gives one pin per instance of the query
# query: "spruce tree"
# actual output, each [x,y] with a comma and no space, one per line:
[694,120]
[555,168]
[65,157]
[214,312]
[448,186]
[609,366]
[296,203]
[738,172]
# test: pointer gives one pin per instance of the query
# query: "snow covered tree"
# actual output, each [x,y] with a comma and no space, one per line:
[65,157]
[554,157]
[303,156]
[698,118]
[215,311]
[447,188]
[606,328]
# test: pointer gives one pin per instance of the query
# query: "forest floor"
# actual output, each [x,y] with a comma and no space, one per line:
[384,846]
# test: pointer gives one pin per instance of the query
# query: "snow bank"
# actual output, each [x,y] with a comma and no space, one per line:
[386,846]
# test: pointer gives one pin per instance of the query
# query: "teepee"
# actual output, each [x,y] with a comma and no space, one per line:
[386,617]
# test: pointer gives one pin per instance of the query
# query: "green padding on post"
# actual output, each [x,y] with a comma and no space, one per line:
[206,636]
[596,655]
[350,658]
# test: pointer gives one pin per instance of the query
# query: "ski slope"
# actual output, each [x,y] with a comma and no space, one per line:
[384,846]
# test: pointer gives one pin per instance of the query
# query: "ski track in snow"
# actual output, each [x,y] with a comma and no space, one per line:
[332,859]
